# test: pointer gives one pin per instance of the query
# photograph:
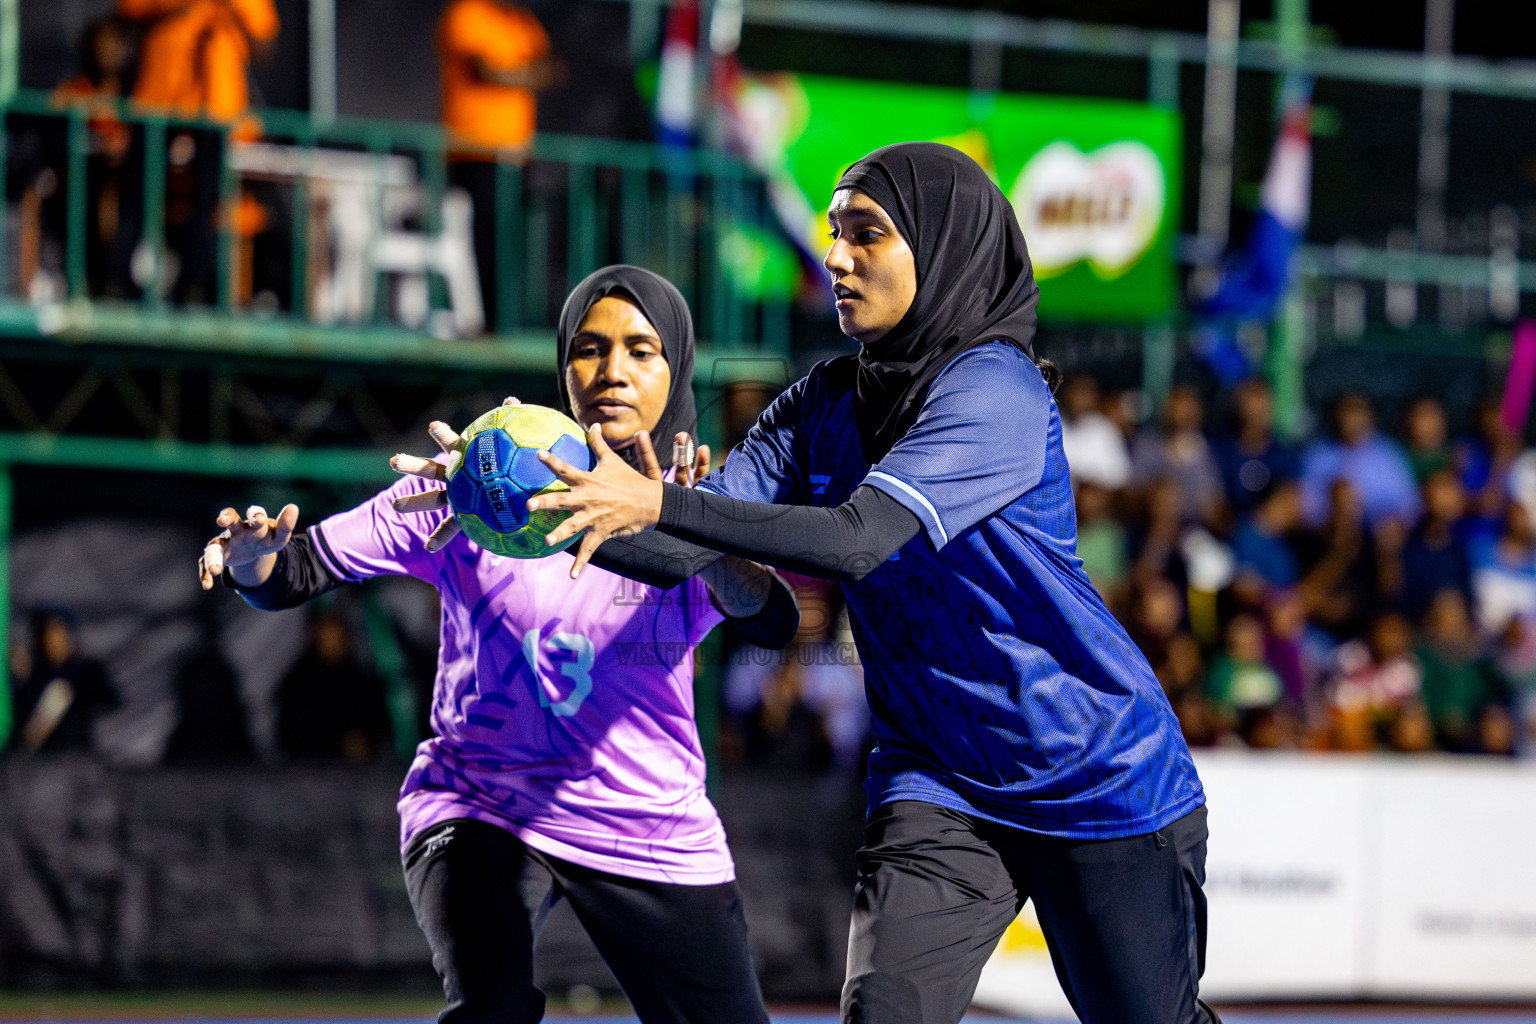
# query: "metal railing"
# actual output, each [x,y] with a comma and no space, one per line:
[985,30]
[340,202]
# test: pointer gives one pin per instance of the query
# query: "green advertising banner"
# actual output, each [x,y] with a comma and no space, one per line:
[1095,183]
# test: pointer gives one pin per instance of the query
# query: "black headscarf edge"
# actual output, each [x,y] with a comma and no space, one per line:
[946,208]
[664,306]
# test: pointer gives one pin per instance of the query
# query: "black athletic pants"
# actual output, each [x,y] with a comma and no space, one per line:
[481,896]
[1124,918]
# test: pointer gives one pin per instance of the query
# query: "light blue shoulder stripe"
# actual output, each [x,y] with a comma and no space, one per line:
[916,495]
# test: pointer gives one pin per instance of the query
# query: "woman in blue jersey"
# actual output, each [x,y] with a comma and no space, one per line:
[1025,749]
[560,767]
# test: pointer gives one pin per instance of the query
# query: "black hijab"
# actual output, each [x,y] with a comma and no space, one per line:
[664,307]
[975,283]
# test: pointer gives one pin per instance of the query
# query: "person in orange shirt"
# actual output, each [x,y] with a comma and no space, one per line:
[495,58]
[194,62]
[196,53]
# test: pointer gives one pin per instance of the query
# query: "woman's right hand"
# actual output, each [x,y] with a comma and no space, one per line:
[248,547]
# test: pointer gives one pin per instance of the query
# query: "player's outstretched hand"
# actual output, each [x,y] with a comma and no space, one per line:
[691,465]
[245,540]
[610,500]
[428,469]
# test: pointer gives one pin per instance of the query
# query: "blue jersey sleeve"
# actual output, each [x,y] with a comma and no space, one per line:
[767,465]
[977,445]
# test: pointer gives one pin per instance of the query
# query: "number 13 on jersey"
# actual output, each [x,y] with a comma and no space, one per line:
[578,669]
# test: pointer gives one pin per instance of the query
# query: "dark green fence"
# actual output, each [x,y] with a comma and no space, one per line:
[698,217]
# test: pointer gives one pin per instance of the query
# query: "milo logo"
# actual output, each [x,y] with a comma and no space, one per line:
[1102,207]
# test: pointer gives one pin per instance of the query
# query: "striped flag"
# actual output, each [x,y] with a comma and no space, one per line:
[1255,279]
[676,88]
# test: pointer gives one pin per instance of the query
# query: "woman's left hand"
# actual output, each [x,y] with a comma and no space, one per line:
[611,500]
[430,469]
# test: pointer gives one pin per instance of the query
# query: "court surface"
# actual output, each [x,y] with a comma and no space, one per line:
[1351,1016]
[1361,1015]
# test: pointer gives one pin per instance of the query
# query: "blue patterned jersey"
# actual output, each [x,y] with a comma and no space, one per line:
[998,683]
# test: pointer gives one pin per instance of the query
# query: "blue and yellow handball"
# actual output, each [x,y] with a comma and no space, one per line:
[499,470]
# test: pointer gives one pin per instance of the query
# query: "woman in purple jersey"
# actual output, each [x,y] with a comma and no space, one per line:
[565,763]
[1025,751]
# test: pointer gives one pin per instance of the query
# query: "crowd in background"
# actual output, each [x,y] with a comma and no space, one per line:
[191,59]
[330,706]
[1351,592]
[183,58]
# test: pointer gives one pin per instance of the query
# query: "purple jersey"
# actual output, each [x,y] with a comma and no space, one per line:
[563,709]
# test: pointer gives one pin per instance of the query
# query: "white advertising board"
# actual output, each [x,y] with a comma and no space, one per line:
[1343,875]
[1285,878]
[1455,911]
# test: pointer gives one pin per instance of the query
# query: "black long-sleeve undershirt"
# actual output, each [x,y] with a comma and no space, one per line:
[297,576]
[844,543]
[664,562]
[654,559]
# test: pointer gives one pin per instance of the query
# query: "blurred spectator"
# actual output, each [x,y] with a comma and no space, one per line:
[1410,730]
[1179,452]
[1261,544]
[194,62]
[212,727]
[1251,458]
[107,56]
[802,709]
[1348,728]
[783,732]
[1428,435]
[37,162]
[1241,681]
[1100,538]
[1504,571]
[1271,728]
[1456,681]
[36,151]
[1486,459]
[1373,464]
[196,53]
[63,695]
[1520,480]
[1123,409]
[1155,543]
[331,708]
[1285,644]
[1513,664]
[1182,674]
[1435,556]
[1498,731]
[1156,615]
[495,58]
[1376,681]
[1340,575]
[1095,448]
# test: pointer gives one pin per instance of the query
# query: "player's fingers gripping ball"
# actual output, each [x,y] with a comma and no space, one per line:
[497,470]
